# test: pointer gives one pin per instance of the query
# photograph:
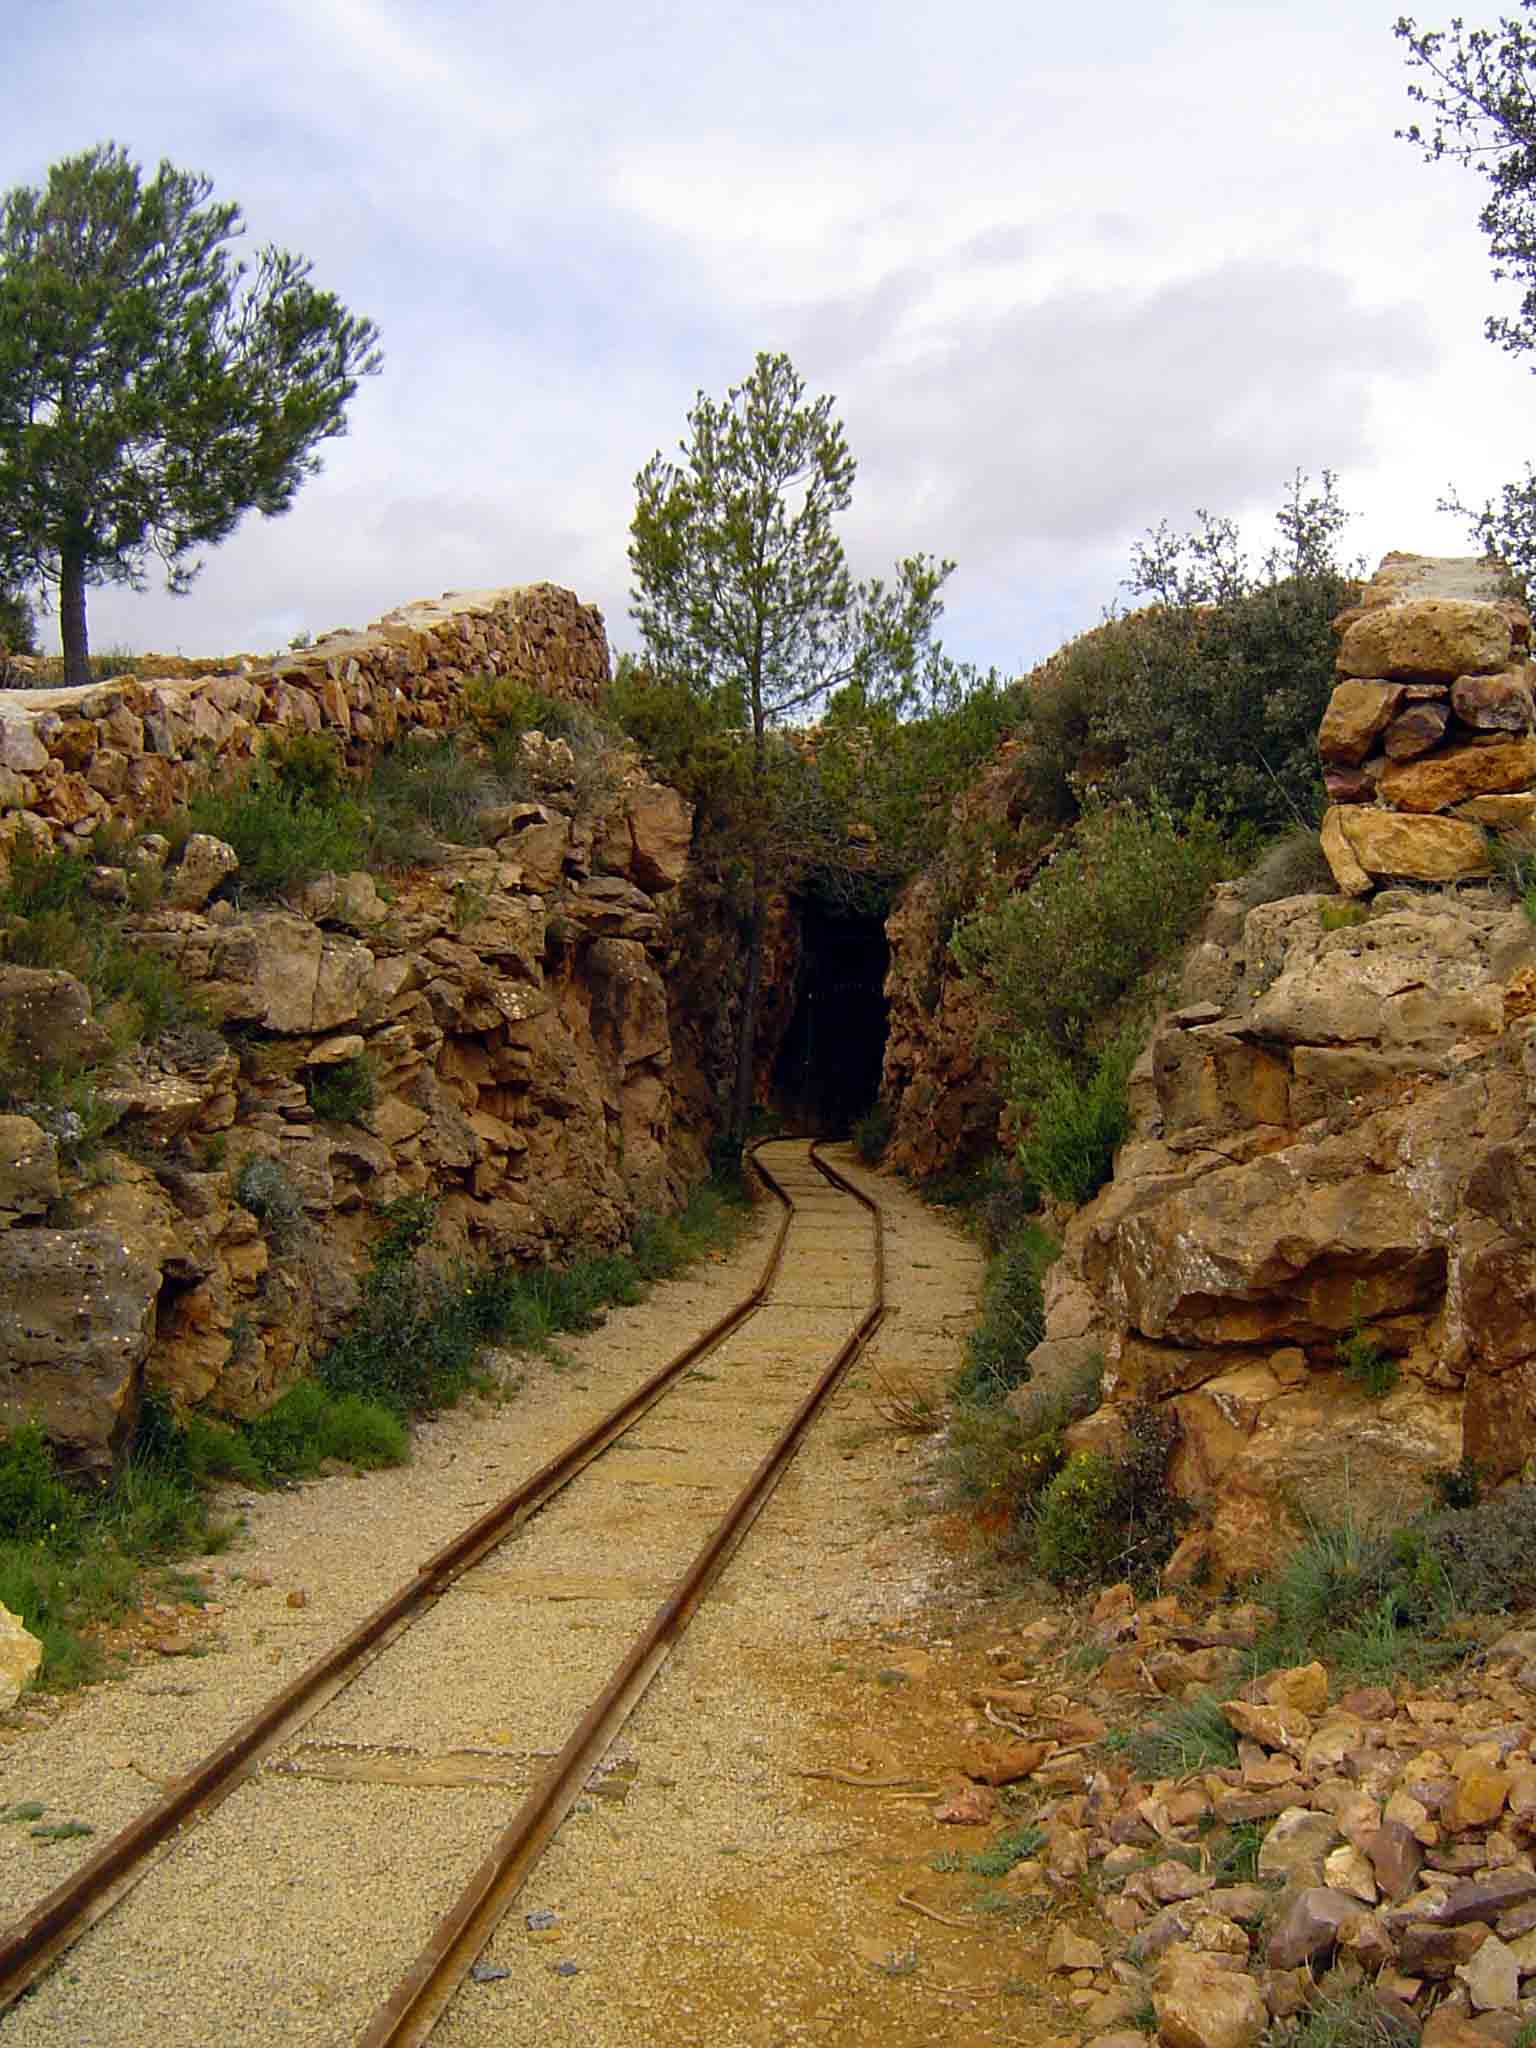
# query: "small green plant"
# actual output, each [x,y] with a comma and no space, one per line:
[310,1427]
[1363,1359]
[1194,1735]
[290,818]
[343,1092]
[1077,1124]
[1012,1318]
[1338,917]
[1013,1845]
[1459,1485]
[265,1187]
[1233,1856]
[1292,865]
[1349,2020]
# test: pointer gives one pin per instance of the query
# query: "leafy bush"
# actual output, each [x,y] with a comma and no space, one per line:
[1211,696]
[1103,1519]
[1057,956]
[48,918]
[18,629]
[343,1092]
[286,823]
[1363,1359]
[1012,1319]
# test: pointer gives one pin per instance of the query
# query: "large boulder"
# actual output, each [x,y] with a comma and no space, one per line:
[77,1317]
[283,973]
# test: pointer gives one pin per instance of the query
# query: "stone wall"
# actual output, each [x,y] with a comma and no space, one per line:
[130,749]
[1429,743]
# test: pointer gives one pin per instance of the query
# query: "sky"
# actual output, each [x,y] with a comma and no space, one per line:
[1068,272]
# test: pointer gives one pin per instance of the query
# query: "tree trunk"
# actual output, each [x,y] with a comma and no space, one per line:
[746,1043]
[72,632]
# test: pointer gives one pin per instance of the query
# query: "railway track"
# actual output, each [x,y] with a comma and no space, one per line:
[460,1684]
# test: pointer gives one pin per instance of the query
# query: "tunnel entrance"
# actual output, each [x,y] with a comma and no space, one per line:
[827,1074]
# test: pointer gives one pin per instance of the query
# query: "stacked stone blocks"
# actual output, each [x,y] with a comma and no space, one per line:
[1429,741]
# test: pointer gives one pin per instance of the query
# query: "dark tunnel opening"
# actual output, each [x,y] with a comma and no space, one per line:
[827,1074]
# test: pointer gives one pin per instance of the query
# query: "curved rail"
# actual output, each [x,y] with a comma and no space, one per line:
[423,1994]
[30,1945]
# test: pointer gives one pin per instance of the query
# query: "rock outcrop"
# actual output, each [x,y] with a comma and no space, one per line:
[491,1029]
[1336,1144]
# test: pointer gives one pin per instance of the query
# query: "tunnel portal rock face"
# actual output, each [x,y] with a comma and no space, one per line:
[827,1074]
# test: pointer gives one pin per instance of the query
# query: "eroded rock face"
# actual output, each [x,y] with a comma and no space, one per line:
[496,1035]
[1347,1150]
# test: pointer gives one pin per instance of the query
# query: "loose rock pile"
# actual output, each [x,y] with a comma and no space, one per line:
[1395,1834]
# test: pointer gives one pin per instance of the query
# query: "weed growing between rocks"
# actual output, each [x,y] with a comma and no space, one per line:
[1376,1605]
[872,1133]
[1194,1735]
[343,1092]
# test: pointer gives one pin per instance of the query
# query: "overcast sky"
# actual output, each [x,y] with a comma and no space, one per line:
[1068,271]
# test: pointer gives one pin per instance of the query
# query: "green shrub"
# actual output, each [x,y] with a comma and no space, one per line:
[872,1133]
[36,1505]
[342,1093]
[265,1187]
[1056,957]
[1012,1319]
[1077,1125]
[1103,1519]
[427,791]
[1293,864]
[1193,1735]
[285,829]
[51,920]
[1363,1359]
[1212,695]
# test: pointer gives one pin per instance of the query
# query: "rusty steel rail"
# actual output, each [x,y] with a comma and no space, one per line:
[31,1944]
[424,1993]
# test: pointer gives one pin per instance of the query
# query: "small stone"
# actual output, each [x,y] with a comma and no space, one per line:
[1274,1727]
[1396,1858]
[567,1969]
[1447,2028]
[487,1973]
[1347,1870]
[967,1806]
[1492,1977]
[1303,1689]
[298,1597]
[1479,1799]
[1069,1950]
[1170,1882]
[1295,1846]
[1363,1937]
[1199,2004]
[1309,1926]
[540,1919]
[1425,1950]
